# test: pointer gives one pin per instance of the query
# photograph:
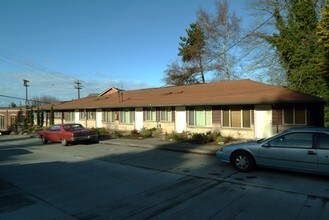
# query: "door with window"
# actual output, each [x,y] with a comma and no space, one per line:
[292,151]
[263,121]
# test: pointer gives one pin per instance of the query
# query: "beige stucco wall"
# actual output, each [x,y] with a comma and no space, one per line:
[198,129]
[238,133]
[126,127]
[111,125]
[150,124]
[118,127]
[88,123]
[58,120]
[167,127]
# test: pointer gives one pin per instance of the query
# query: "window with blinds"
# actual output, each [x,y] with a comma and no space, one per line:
[150,114]
[127,116]
[201,117]
[294,114]
[236,117]
[166,115]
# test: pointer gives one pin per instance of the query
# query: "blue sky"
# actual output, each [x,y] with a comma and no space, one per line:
[103,43]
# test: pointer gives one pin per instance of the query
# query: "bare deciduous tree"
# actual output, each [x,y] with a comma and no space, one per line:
[43,99]
[261,57]
[222,31]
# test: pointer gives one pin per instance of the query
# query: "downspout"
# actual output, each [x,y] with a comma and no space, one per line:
[277,118]
[6,125]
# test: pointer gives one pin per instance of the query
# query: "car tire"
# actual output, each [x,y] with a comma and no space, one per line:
[64,142]
[44,140]
[243,161]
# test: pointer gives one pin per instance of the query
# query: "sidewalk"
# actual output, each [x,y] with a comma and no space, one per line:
[157,143]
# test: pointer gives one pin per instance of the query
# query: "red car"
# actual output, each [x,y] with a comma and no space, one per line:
[66,133]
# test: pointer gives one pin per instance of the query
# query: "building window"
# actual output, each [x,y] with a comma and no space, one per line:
[127,116]
[82,115]
[13,119]
[87,115]
[226,118]
[201,117]
[109,116]
[91,115]
[2,122]
[246,118]
[69,116]
[236,117]
[150,114]
[294,114]
[166,115]
[58,114]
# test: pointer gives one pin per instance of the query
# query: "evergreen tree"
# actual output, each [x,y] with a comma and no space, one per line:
[31,117]
[38,117]
[42,117]
[297,47]
[191,49]
[178,74]
[52,116]
[323,33]
[190,69]
[13,105]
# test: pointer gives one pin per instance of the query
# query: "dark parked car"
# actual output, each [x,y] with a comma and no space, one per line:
[66,133]
[299,149]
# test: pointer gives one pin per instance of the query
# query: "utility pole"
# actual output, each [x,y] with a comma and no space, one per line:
[25,83]
[78,87]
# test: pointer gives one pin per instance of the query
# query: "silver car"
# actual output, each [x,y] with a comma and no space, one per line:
[299,149]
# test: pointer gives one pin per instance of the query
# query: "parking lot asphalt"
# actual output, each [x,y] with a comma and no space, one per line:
[133,181]
[158,143]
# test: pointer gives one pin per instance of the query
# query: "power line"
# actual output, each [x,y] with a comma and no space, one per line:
[30,100]
[26,63]
[12,97]
[247,35]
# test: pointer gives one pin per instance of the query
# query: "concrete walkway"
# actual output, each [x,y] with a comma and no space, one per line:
[157,143]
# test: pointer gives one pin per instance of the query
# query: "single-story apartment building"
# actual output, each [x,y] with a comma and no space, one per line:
[237,108]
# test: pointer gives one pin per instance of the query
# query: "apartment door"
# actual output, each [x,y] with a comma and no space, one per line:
[139,118]
[99,118]
[180,119]
[263,121]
